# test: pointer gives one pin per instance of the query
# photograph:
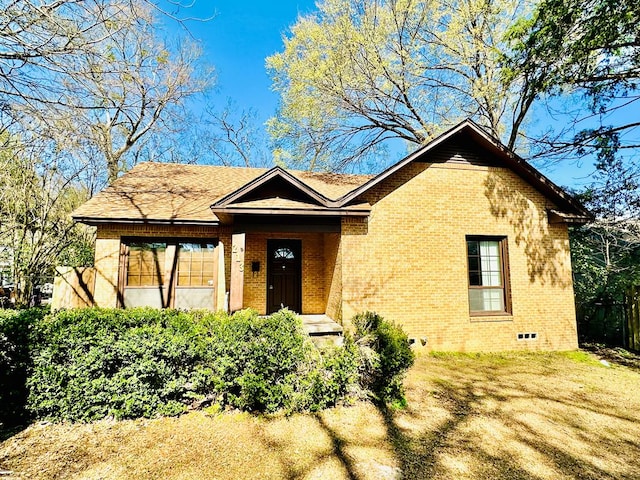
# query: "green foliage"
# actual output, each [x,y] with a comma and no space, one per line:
[16,340]
[88,364]
[605,253]
[386,355]
[256,359]
[357,72]
[589,49]
[36,229]
[95,363]
[332,378]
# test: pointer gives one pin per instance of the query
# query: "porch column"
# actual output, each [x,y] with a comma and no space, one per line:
[220,284]
[237,272]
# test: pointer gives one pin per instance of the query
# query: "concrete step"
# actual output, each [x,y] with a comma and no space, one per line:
[324,341]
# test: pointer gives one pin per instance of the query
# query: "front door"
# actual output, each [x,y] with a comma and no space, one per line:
[284,275]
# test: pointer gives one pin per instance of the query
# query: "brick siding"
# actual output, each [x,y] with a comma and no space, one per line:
[408,261]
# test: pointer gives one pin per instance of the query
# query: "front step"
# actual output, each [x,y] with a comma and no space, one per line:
[325,341]
[320,325]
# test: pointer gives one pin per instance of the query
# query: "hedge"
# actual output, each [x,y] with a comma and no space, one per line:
[87,364]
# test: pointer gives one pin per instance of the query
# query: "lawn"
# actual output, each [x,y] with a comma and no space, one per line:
[509,416]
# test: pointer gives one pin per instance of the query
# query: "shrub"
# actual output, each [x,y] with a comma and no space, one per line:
[133,363]
[95,363]
[257,359]
[385,355]
[16,342]
[331,379]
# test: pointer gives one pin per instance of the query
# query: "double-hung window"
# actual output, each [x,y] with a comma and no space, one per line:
[488,275]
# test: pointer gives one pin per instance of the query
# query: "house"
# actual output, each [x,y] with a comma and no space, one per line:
[462,242]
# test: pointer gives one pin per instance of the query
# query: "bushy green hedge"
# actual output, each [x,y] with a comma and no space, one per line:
[82,365]
[94,363]
[256,360]
[385,356]
[16,341]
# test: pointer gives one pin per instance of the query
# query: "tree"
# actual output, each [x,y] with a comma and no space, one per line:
[360,72]
[93,77]
[591,49]
[35,227]
[232,137]
[83,85]
[106,84]
[606,252]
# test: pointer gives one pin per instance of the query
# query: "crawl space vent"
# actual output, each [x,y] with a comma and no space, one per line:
[527,336]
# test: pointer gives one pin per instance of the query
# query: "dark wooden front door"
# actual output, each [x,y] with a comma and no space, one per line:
[284,275]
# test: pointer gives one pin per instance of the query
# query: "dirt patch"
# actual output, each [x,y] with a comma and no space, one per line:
[510,416]
[616,355]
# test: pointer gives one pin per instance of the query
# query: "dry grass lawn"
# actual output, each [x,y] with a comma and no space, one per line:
[509,416]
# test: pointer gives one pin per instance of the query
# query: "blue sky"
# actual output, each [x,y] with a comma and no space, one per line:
[242,34]
[236,42]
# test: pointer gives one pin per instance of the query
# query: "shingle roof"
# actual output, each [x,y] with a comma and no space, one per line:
[179,192]
[166,192]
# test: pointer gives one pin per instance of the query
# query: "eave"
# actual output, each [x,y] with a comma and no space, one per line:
[509,158]
[556,216]
[340,212]
[94,221]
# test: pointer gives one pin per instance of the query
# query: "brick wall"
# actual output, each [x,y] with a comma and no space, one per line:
[408,261]
[333,275]
[313,270]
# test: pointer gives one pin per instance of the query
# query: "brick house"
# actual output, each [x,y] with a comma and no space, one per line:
[462,242]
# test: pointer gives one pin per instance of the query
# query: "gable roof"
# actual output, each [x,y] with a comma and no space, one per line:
[195,194]
[573,209]
[269,176]
[179,193]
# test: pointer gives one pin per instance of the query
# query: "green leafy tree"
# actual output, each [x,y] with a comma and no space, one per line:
[360,72]
[590,49]
[606,252]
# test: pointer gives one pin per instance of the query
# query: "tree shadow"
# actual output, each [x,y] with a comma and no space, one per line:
[339,445]
[427,452]
[80,282]
[545,245]
[8,432]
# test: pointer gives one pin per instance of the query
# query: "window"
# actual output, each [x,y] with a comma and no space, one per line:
[153,262]
[488,279]
[283,253]
[196,265]
[146,264]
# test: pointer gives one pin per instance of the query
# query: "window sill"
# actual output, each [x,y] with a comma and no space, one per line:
[491,317]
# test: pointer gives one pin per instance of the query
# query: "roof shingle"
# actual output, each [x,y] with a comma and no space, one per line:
[179,192]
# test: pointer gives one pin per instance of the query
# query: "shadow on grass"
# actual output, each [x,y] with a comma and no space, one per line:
[473,407]
[339,445]
[7,433]
[418,454]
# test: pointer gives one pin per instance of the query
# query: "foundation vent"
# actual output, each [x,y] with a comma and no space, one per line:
[528,336]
